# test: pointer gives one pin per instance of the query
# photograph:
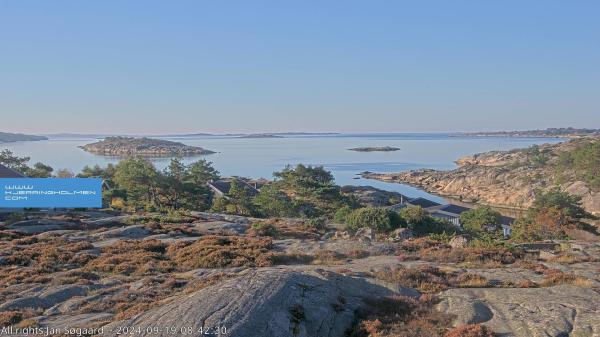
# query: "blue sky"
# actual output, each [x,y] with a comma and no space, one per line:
[260,66]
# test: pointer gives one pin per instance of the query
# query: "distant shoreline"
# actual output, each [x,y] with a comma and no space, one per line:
[546,133]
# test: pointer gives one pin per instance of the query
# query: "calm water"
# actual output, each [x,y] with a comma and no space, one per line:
[260,157]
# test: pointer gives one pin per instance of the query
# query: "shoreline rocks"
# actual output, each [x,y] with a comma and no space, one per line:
[507,179]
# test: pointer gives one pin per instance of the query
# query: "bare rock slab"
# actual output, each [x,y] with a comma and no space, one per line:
[558,311]
[269,302]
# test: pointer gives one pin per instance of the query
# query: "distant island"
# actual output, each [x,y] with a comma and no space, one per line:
[6,137]
[375,149]
[550,132]
[148,147]
[260,135]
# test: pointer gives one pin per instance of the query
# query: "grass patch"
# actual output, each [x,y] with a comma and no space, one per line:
[430,279]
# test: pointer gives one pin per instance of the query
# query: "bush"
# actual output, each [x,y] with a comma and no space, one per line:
[542,224]
[488,240]
[420,222]
[414,215]
[263,229]
[480,218]
[569,205]
[316,223]
[424,278]
[379,219]
[341,214]
[441,237]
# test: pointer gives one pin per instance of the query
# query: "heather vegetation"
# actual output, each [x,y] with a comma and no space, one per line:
[401,316]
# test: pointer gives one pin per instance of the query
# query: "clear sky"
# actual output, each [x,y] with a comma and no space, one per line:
[259,66]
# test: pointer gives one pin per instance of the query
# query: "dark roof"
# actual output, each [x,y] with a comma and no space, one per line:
[5,172]
[451,208]
[424,203]
[506,220]
[221,185]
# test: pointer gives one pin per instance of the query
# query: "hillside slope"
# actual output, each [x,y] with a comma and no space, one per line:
[511,178]
[18,137]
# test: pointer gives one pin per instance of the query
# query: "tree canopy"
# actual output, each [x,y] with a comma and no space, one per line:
[19,164]
[309,192]
[480,218]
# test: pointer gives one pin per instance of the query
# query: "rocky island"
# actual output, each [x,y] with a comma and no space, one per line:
[512,178]
[6,137]
[375,149]
[149,147]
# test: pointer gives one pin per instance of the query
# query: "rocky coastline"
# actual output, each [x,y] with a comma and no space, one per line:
[508,179]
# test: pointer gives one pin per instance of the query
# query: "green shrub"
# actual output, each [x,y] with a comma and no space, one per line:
[431,225]
[414,215]
[420,222]
[488,240]
[264,229]
[379,219]
[441,237]
[317,223]
[341,214]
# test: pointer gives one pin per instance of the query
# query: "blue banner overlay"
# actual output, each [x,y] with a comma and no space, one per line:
[50,193]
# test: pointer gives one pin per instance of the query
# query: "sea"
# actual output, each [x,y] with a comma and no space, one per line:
[260,157]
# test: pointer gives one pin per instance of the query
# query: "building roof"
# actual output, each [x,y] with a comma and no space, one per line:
[424,203]
[5,172]
[455,209]
[224,185]
[506,220]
